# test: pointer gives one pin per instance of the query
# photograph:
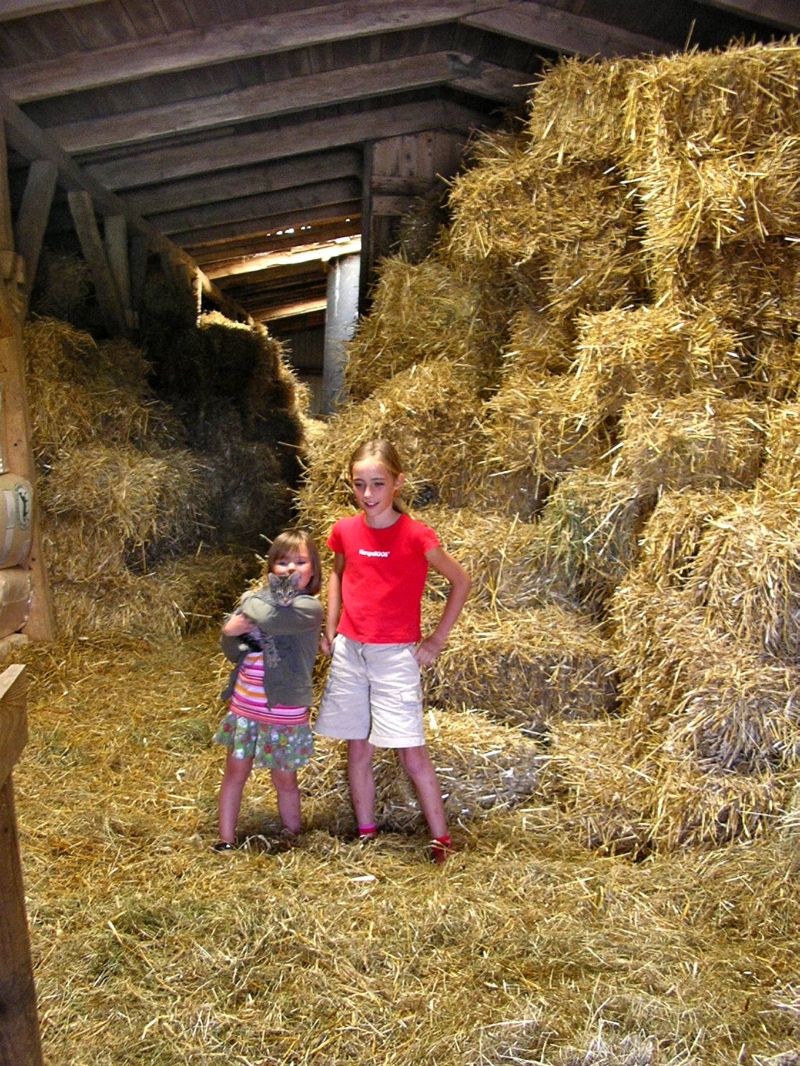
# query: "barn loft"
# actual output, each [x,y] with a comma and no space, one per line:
[551,250]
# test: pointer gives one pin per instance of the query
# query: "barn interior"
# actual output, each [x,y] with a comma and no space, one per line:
[550,249]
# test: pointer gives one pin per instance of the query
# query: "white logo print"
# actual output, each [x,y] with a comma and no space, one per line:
[374,555]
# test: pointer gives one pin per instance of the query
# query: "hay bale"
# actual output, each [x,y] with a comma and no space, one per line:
[746,574]
[63,289]
[420,312]
[591,524]
[753,288]
[702,440]
[602,789]
[673,532]
[146,501]
[742,714]
[482,766]
[429,414]
[540,428]
[537,343]
[712,142]
[654,350]
[172,600]
[525,666]
[577,110]
[509,560]
[692,805]
[781,470]
[78,393]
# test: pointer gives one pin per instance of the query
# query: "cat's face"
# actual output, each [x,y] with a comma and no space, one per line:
[297,563]
[284,587]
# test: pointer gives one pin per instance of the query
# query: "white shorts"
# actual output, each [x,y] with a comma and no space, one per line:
[373,693]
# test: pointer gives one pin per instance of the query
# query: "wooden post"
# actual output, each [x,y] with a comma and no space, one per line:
[94,252]
[32,220]
[16,455]
[20,1044]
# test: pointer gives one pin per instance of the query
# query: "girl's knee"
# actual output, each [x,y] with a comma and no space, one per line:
[415,761]
[285,782]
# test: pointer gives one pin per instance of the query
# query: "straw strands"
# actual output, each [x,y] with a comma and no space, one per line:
[510,561]
[541,427]
[747,574]
[429,412]
[654,350]
[577,111]
[525,666]
[149,947]
[419,312]
[781,470]
[713,141]
[702,440]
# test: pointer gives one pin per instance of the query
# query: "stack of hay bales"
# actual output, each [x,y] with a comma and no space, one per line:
[124,501]
[631,516]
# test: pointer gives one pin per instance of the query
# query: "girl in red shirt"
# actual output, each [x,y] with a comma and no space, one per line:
[373,697]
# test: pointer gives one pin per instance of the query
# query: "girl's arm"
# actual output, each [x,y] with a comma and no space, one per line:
[304,613]
[460,583]
[334,603]
[237,625]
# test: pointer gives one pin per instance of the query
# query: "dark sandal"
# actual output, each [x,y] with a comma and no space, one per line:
[223,845]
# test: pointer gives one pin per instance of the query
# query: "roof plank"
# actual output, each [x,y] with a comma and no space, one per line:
[222,153]
[270,100]
[782,14]
[562,31]
[253,37]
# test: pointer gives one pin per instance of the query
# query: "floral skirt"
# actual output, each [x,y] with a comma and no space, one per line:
[271,747]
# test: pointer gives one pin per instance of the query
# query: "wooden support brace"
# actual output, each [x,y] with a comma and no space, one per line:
[94,252]
[116,235]
[16,455]
[32,221]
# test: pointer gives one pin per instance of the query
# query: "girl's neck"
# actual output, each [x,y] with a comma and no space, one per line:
[384,521]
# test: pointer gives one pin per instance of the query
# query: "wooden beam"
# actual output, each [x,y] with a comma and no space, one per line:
[17,9]
[266,226]
[16,453]
[32,143]
[247,181]
[243,209]
[561,31]
[269,35]
[221,153]
[32,220]
[220,254]
[20,1042]
[115,231]
[285,97]
[783,14]
[94,252]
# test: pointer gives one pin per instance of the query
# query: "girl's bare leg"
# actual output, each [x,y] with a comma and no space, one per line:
[417,764]
[362,780]
[234,779]
[288,793]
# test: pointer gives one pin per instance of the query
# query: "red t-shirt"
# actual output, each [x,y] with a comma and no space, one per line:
[384,578]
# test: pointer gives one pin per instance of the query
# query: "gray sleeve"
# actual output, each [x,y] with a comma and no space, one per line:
[303,614]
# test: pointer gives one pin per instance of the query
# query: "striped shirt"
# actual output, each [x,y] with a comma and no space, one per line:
[250,701]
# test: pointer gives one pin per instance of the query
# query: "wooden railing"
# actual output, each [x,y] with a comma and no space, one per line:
[19,1025]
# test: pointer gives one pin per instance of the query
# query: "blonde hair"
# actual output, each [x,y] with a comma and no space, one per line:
[384,452]
[297,540]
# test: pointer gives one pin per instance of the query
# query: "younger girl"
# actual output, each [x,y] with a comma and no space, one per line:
[373,697]
[274,643]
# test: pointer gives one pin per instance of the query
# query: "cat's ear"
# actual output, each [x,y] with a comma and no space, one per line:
[273,580]
[294,579]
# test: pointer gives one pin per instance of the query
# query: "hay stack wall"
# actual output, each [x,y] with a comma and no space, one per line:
[625,480]
[153,511]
